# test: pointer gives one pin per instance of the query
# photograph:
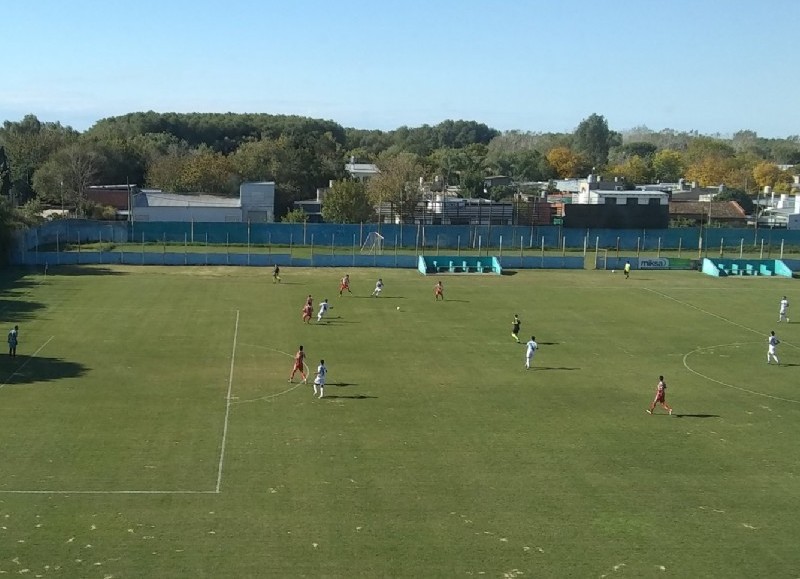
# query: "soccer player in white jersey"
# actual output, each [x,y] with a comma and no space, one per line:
[323,309]
[378,288]
[532,346]
[783,314]
[772,343]
[319,381]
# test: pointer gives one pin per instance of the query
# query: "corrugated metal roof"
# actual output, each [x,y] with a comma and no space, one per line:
[160,199]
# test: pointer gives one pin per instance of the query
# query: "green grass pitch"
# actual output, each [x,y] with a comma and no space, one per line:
[435,454]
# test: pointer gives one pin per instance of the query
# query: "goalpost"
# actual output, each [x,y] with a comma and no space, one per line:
[373,245]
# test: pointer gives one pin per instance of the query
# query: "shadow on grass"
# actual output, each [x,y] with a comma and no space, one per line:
[341,384]
[553,368]
[509,272]
[785,364]
[83,270]
[548,343]
[28,369]
[15,305]
[694,415]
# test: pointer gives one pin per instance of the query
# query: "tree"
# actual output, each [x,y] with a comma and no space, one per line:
[67,174]
[635,170]
[593,140]
[565,163]
[667,166]
[347,202]
[769,175]
[398,184]
[295,216]
[5,175]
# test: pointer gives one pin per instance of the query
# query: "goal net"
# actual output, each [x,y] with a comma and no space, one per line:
[373,245]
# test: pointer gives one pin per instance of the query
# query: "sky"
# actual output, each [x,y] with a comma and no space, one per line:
[528,65]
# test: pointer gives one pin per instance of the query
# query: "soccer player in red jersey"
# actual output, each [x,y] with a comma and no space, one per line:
[661,397]
[307,311]
[438,291]
[299,360]
[345,285]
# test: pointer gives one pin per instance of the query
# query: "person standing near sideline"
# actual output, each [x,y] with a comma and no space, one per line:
[276,274]
[319,380]
[515,328]
[13,340]
[532,346]
[661,397]
[783,313]
[772,343]
[627,269]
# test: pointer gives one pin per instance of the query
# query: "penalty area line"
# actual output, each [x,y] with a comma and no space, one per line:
[26,362]
[720,382]
[723,318]
[227,407]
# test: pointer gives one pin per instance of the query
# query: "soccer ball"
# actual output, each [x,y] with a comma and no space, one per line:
[613,271]
[398,308]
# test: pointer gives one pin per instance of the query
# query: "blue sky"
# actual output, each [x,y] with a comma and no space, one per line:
[533,65]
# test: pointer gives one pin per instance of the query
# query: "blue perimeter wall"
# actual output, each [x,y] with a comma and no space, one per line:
[406,236]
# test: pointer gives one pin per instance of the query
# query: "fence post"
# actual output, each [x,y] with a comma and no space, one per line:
[638,247]
[721,246]
[248,243]
[458,247]
[659,248]
[501,246]
[700,247]
[333,238]
[564,246]
[480,241]
[680,243]
[761,255]
[312,247]
[185,256]
[520,247]
[781,257]
[741,247]
[617,247]
[304,232]
[585,244]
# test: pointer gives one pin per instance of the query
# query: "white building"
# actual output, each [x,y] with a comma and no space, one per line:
[256,203]
[361,171]
[588,196]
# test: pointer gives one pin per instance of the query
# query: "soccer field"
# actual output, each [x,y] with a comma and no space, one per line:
[147,428]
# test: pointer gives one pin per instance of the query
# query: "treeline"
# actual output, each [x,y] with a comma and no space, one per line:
[47,163]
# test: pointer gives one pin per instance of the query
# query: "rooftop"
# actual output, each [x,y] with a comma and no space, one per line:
[156,198]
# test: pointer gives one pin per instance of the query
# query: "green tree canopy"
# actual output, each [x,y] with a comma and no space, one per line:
[347,202]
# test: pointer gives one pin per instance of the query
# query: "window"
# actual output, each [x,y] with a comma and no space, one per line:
[631,201]
[654,201]
[611,200]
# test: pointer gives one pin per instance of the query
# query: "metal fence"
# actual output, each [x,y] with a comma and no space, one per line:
[64,234]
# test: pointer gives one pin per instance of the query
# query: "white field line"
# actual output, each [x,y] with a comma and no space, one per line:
[282,392]
[31,357]
[227,406]
[723,318]
[125,492]
[686,365]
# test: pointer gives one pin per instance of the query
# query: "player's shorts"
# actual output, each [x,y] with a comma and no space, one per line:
[298,367]
[319,382]
[660,399]
[515,330]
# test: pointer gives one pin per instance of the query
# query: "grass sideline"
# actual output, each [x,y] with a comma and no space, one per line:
[435,455]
